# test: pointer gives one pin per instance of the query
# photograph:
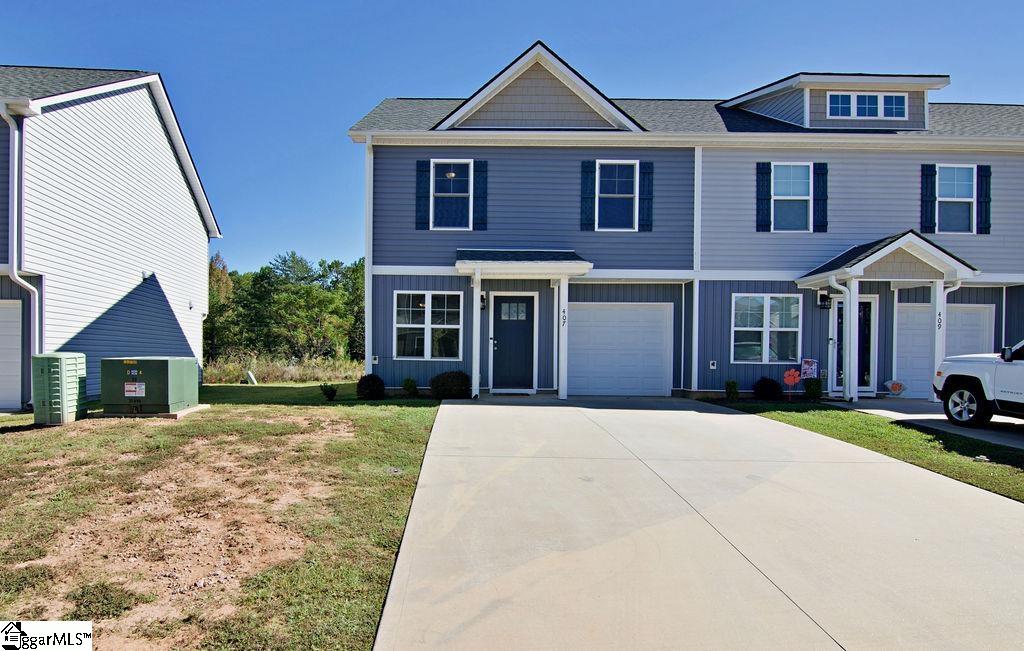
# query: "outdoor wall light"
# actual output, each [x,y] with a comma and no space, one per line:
[824,300]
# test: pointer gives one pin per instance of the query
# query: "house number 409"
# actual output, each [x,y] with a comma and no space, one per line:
[938,321]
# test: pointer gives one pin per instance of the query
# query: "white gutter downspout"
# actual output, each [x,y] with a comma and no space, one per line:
[14,219]
[845,291]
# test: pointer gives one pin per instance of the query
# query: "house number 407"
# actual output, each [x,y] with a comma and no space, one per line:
[565,317]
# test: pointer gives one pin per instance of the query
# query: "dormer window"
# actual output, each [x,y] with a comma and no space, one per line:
[867,106]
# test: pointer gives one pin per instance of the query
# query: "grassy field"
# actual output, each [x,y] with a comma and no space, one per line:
[947,454]
[271,520]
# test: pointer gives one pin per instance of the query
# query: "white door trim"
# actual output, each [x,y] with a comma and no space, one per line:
[490,339]
[833,357]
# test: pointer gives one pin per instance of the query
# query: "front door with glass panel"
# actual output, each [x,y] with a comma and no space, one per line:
[866,354]
[512,353]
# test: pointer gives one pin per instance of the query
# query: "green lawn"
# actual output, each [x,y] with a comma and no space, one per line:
[947,454]
[336,477]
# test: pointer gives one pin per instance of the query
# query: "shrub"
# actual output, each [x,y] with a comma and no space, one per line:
[767,389]
[450,385]
[410,388]
[370,387]
[329,390]
[812,388]
[732,390]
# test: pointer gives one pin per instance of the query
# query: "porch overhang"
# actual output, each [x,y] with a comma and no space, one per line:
[856,263]
[521,263]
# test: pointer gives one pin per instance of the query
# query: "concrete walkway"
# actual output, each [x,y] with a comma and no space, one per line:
[928,415]
[666,523]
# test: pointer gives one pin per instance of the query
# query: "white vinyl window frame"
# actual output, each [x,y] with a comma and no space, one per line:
[973,200]
[635,196]
[426,326]
[448,161]
[809,198]
[765,329]
[853,95]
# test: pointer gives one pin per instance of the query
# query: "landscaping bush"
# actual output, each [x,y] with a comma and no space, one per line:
[767,389]
[329,390]
[812,388]
[370,387]
[450,385]
[410,388]
[732,390]
[231,369]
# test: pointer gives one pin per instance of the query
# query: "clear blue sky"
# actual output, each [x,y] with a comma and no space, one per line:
[266,91]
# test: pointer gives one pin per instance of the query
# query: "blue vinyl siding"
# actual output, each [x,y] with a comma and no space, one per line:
[968,296]
[687,382]
[1014,314]
[4,180]
[534,202]
[639,293]
[395,371]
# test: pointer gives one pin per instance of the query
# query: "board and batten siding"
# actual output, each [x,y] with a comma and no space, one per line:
[787,106]
[5,154]
[536,99]
[819,112]
[1014,315]
[113,227]
[394,371]
[639,293]
[533,202]
[872,194]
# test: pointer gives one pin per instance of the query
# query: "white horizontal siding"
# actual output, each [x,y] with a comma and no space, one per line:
[871,195]
[105,201]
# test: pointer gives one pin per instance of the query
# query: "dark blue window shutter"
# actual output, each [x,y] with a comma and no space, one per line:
[764,197]
[646,220]
[821,197]
[479,195]
[984,199]
[422,195]
[588,170]
[928,198]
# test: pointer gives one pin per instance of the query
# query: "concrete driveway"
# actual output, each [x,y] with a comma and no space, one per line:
[667,523]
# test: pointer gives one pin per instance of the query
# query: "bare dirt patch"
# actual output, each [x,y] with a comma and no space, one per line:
[188,534]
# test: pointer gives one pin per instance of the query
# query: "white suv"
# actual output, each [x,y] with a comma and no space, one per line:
[974,387]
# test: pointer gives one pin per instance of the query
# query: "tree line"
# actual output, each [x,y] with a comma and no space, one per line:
[289,308]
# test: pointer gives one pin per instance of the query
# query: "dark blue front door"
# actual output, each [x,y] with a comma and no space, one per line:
[513,342]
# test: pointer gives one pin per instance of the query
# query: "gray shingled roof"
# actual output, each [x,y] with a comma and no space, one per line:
[705,116]
[861,252]
[34,82]
[515,255]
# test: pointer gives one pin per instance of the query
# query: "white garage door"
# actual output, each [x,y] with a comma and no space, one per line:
[10,354]
[969,329]
[620,349]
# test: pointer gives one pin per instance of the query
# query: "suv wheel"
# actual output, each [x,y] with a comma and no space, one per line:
[966,405]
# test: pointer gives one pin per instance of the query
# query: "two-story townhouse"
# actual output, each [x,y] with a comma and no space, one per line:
[541,236]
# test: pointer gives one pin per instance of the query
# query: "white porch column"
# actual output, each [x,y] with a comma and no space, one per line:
[939,321]
[851,339]
[563,338]
[475,355]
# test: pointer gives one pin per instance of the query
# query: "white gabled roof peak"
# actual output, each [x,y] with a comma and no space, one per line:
[540,53]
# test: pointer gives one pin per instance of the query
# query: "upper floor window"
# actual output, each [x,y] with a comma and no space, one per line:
[618,183]
[872,106]
[428,325]
[955,199]
[451,195]
[766,328]
[791,197]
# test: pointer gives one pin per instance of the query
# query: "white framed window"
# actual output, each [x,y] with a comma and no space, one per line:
[428,325]
[451,194]
[792,195]
[617,188]
[955,205]
[867,106]
[766,328]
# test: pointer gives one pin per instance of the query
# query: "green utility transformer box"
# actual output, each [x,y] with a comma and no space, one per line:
[58,387]
[148,385]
